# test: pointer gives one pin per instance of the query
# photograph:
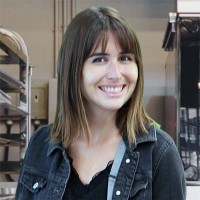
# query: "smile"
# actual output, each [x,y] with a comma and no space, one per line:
[112,89]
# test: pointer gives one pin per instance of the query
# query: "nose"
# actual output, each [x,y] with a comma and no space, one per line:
[113,72]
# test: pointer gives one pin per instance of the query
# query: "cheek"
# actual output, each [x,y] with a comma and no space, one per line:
[133,75]
[88,81]
[91,76]
[87,78]
[136,76]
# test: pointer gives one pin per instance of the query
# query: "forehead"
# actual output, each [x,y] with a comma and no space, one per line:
[106,41]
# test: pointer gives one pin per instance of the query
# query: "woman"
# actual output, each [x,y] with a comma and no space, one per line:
[102,144]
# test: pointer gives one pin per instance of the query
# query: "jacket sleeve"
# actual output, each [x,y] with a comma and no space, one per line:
[168,179]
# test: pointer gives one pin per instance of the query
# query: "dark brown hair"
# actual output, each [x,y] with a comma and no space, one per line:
[88,29]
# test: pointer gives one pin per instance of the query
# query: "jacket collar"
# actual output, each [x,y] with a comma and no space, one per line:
[142,137]
[53,145]
[150,136]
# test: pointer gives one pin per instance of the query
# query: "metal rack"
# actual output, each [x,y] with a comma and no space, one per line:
[15,110]
[182,117]
[190,142]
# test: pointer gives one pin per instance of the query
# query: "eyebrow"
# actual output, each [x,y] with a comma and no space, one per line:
[98,54]
[105,54]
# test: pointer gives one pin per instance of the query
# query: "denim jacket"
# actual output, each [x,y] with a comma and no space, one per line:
[151,169]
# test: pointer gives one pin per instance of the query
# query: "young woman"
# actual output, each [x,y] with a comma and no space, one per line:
[102,144]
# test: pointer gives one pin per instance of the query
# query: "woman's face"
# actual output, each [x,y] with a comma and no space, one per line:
[108,79]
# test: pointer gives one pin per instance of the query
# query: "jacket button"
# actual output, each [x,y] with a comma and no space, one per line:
[118,192]
[35,185]
[56,190]
[128,160]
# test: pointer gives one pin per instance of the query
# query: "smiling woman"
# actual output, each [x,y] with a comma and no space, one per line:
[102,143]
[108,78]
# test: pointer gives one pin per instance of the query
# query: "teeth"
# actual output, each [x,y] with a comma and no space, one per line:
[113,89]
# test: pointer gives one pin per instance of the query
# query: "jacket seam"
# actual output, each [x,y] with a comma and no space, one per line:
[159,160]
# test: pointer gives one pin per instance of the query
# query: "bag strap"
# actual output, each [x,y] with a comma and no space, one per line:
[115,168]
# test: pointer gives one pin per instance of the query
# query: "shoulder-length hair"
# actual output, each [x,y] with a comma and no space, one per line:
[86,31]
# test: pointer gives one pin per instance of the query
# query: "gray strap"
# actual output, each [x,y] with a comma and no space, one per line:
[115,168]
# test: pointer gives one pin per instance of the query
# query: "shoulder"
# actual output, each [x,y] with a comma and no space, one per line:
[167,167]
[156,143]
[38,144]
[41,134]
[165,152]
[156,136]
[163,142]
[153,144]
[163,139]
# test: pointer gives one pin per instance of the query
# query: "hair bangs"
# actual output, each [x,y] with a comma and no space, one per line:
[126,41]
[102,40]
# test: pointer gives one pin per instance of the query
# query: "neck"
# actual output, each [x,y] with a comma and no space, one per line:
[102,120]
[102,125]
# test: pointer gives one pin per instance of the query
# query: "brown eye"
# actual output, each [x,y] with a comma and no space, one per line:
[125,58]
[99,60]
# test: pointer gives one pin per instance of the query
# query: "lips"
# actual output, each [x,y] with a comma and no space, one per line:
[112,89]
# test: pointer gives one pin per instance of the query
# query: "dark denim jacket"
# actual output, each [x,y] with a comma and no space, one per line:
[151,169]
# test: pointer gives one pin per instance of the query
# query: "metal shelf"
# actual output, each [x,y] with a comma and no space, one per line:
[14,51]
[7,109]
[9,83]
[11,140]
[11,43]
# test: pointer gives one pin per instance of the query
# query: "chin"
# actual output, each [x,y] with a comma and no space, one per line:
[114,108]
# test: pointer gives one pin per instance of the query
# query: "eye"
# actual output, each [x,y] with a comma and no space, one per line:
[99,60]
[126,58]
